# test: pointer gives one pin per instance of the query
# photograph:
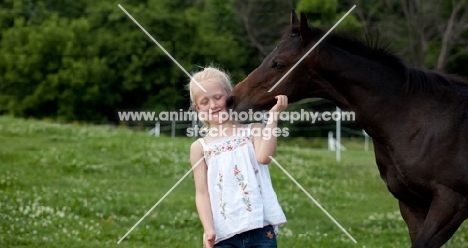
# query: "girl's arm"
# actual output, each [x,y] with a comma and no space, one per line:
[265,145]
[202,197]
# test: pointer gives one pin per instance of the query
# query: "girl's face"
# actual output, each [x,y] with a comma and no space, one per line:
[212,102]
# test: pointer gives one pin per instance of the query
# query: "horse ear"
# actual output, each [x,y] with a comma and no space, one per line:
[294,24]
[305,30]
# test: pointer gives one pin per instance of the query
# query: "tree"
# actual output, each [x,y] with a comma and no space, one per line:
[452,30]
[263,22]
[326,14]
[428,33]
[69,64]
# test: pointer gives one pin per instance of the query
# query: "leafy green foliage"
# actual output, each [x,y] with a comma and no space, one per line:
[88,65]
[327,9]
[327,13]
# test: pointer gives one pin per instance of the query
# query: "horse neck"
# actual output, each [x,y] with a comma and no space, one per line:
[371,89]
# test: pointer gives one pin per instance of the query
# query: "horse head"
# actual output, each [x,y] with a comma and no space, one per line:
[279,73]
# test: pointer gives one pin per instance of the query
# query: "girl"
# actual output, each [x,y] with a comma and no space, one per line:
[235,199]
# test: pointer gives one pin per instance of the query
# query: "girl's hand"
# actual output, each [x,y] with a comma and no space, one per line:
[209,240]
[281,104]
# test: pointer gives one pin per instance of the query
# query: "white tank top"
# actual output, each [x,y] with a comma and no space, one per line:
[241,194]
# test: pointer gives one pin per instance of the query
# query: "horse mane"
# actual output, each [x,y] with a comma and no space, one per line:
[370,45]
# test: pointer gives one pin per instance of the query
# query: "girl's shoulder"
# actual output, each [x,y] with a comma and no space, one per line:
[196,146]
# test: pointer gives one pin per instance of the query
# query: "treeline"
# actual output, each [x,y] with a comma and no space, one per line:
[86,60]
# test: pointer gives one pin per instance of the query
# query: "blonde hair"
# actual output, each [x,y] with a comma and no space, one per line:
[210,73]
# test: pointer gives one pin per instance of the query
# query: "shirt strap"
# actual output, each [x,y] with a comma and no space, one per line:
[203,144]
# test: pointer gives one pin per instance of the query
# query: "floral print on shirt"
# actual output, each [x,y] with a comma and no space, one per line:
[240,180]
[222,205]
[227,146]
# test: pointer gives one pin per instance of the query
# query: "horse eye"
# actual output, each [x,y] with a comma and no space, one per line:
[278,65]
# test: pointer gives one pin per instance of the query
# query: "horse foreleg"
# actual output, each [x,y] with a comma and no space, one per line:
[414,218]
[447,212]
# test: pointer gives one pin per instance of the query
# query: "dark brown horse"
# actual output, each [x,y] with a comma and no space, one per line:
[418,119]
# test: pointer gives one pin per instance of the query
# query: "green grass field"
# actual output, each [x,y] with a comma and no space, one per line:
[86,186]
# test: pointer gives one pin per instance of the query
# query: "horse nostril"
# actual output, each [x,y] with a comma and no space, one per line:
[230,102]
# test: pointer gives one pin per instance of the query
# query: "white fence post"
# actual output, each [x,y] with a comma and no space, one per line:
[331,141]
[173,127]
[157,129]
[366,141]
[338,137]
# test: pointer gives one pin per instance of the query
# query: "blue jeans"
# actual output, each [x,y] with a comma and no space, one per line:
[257,238]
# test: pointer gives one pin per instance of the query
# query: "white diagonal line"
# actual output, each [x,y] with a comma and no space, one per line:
[316,203]
[160,200]
[162,48]
[312,48]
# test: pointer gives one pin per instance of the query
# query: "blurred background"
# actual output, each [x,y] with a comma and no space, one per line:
[85,60]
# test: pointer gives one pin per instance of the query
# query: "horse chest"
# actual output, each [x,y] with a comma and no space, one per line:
[404,181]
[395,181]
